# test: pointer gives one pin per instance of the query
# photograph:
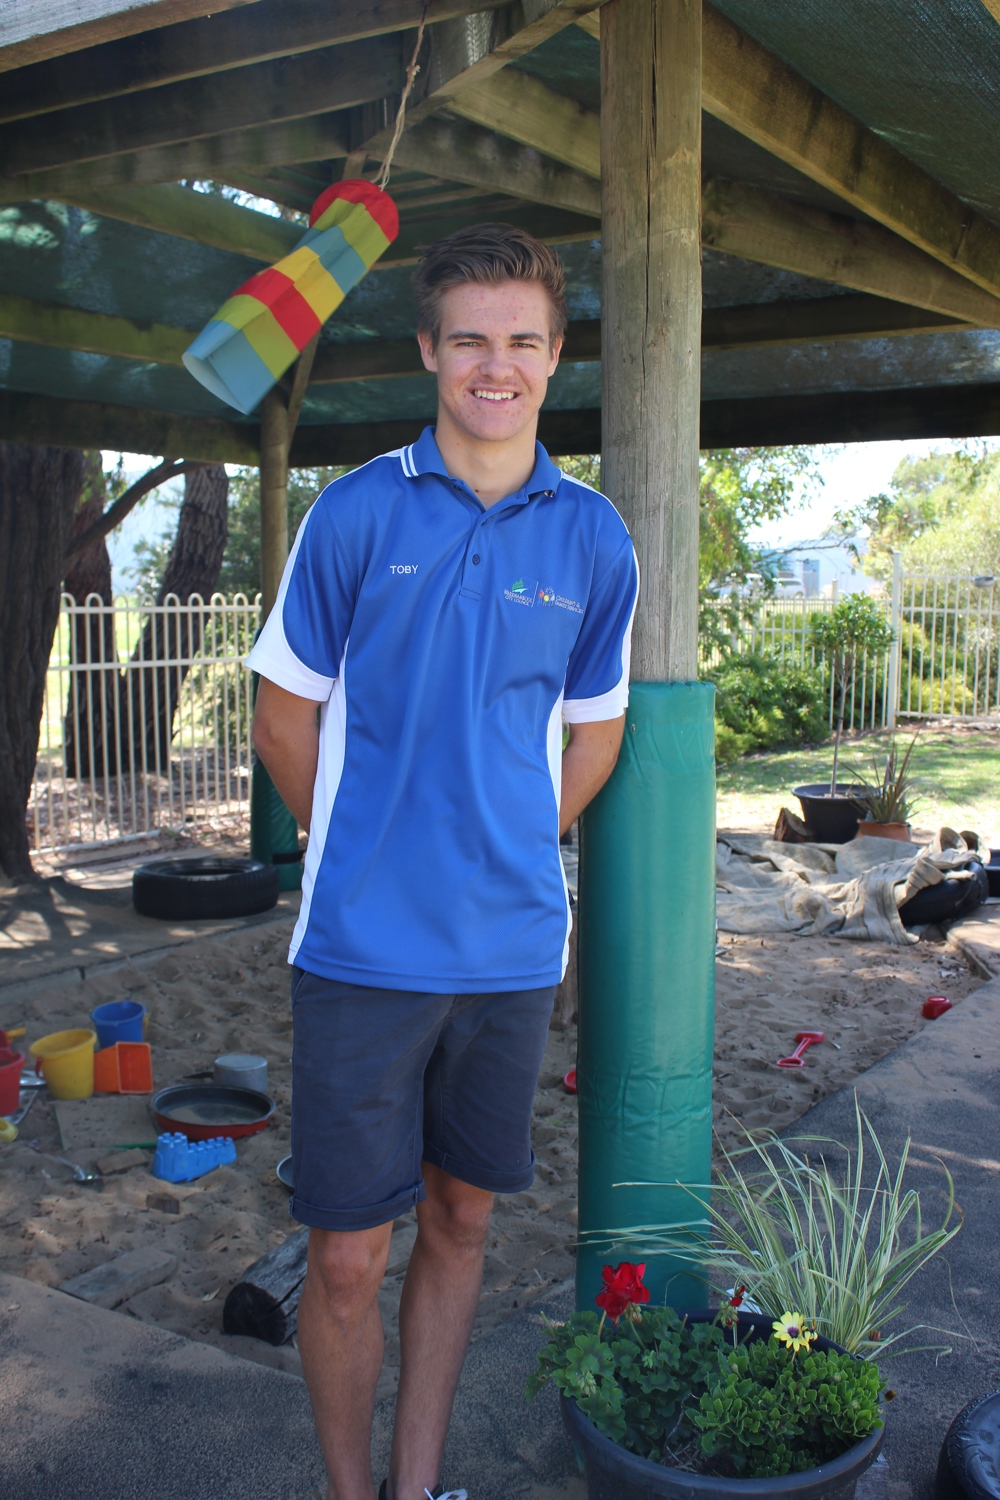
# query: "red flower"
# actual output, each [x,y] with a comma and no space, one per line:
[736,1301]
[622,1287]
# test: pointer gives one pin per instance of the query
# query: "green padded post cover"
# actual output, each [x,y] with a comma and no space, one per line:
[273,830]
[647,989]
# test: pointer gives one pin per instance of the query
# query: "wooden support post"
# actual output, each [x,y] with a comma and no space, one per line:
[273,496]
[647,938]
[651,346]
[279,414]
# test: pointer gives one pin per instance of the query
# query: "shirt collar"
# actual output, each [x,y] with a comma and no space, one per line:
[424,457]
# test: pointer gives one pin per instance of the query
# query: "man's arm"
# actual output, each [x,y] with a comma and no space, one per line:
[587,762]
[286,737]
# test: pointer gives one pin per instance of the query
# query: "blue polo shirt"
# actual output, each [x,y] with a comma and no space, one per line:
[446,642]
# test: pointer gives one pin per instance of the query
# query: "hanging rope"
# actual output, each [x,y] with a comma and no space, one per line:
[411,78]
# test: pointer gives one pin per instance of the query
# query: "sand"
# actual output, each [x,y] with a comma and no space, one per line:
[215,996]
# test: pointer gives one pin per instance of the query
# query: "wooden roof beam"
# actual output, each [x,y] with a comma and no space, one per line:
[26,418]
[744,221]
[825,319]
[482,158]
[213,157]
[32,30]
[522,108]
[757,94]
[777,231]
[210,43]
[314,82]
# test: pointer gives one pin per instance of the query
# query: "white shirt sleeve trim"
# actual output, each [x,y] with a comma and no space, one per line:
[272,657]
[612,704]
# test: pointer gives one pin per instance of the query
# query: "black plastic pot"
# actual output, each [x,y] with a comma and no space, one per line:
[834,820]
[615,1474]
[946,901]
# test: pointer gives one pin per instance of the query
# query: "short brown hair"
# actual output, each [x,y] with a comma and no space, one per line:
[488,254]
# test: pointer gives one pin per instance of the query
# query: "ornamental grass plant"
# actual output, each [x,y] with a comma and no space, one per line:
[708,1397]
[841,1245]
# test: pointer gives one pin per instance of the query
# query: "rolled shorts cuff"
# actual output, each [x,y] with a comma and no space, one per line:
[346,1220]
[480,1177]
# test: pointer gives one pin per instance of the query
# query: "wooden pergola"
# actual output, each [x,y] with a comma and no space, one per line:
[780,221]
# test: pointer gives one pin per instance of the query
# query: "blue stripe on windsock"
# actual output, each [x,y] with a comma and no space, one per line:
[337,256]
[226,363]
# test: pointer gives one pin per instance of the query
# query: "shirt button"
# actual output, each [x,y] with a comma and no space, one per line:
[475,559]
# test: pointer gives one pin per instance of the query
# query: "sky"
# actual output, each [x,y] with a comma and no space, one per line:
[849,473]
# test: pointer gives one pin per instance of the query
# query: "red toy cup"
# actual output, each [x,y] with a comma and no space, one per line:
[934,1006]
[11,1063]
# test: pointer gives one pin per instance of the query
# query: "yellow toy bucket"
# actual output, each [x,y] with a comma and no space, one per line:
[66,1062]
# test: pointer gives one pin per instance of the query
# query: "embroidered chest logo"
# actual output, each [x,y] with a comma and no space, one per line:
[520,593]
[403,567]
[529,595]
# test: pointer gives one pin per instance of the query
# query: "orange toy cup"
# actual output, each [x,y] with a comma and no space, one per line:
[125,1068]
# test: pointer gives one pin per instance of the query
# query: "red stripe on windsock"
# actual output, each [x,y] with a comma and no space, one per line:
[374,199]
[289,308]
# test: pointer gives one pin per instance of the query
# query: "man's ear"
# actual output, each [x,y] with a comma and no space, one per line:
[427,351]
[556,350]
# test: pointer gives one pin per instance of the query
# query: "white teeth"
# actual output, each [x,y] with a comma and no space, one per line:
[494,395]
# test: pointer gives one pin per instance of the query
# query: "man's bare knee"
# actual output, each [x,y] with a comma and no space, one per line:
[347,1269]
[454,1215]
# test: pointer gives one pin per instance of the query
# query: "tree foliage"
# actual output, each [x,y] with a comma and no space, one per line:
[941,512]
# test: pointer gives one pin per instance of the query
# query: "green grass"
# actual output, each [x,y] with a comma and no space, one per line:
[956,774]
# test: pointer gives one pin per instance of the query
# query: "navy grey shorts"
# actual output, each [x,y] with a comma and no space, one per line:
[383,1080]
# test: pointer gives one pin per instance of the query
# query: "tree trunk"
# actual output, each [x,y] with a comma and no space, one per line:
[151,695]
[88,730]
[39,492]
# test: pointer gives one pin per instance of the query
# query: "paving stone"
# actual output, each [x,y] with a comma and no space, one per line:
[123,1277]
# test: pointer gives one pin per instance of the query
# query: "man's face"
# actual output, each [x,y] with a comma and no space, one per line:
[493,357]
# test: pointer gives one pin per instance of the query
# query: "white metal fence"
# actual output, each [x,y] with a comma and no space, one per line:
[146,720]
[780,628]
[944,661]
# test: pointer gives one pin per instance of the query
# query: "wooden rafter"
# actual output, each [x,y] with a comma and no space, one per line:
[521,107]
[777,231]
[757,94]
[210,44]
[26,418]
[38,29]
[287,89]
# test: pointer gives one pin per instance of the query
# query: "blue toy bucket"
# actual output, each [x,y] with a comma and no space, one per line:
[118,1021]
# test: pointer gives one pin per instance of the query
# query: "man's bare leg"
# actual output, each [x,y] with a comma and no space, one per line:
[341,1343]
[436,1313]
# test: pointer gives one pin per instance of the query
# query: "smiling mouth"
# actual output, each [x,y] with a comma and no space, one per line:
[494,395]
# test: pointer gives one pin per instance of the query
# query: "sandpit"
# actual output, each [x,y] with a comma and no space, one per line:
[214,996]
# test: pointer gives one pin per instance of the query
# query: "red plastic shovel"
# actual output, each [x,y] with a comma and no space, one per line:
[805,1039]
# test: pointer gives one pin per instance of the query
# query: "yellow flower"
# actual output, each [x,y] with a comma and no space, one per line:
[790,1330]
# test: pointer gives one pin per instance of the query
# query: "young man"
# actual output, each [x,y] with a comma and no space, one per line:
[447,607]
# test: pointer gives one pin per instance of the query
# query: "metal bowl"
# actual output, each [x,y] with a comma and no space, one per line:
[202,1111]
[284,1173]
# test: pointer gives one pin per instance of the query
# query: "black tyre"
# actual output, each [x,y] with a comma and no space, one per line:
[969,1465]
[204,886]
[946,901]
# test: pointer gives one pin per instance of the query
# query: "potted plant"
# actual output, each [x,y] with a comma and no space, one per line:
[715,1404]
[887,800]
[725,1403]
[852,630]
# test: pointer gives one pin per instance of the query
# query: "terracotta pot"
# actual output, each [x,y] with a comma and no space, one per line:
[899,831]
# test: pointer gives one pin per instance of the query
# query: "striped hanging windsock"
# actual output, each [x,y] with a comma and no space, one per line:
[268,321]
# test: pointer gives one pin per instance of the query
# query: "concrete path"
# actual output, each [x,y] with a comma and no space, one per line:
[942,1088]
[95,1405]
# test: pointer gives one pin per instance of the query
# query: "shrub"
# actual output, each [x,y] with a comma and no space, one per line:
[762,703]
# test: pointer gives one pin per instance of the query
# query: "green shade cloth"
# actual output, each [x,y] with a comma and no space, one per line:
[647,989]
